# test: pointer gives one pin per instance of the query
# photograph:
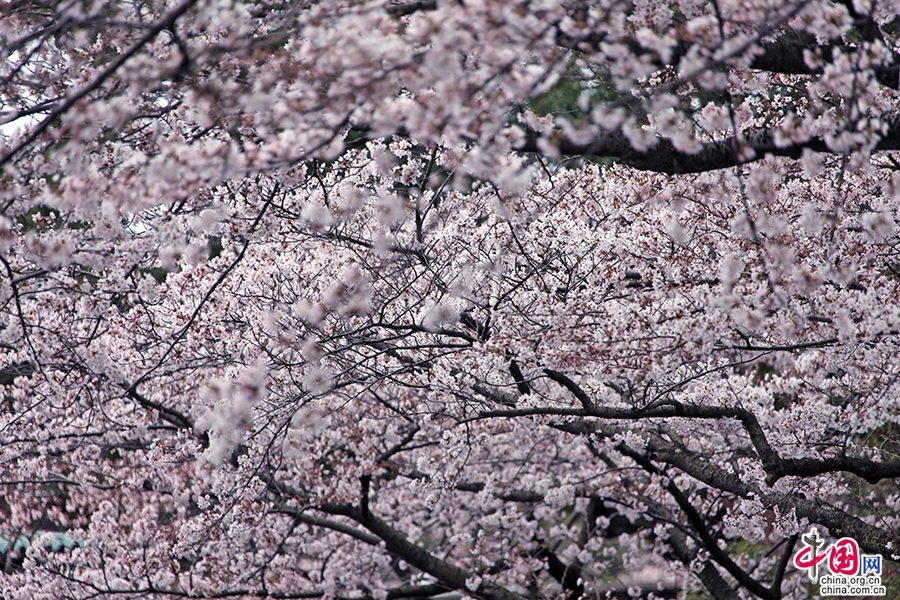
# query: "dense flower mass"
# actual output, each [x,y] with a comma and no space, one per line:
[381,300]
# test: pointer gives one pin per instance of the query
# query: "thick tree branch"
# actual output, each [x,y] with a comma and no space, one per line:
[173,416]
[416,591]
[279,488]
[721,154]
[702,529]
[840,524]
[868,469]
[495,394]
[516,372]
[776,467]
[510,496]
[450,575]
[783,562]
[309,519]
[568,576]
[402,9]
[786,54]
[708,575]
[573,387]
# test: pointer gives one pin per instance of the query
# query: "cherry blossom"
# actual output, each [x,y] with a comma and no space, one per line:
[384,300]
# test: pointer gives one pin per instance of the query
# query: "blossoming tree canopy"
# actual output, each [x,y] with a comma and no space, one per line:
[512,299]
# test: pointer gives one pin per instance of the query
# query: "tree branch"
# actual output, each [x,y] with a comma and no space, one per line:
[516,372]
[448,574]
[171,415]
[775,466]
[416,591]
[786,54]
[304,517]
[708,575]
[568,576]
[573,387]
[730,152]
[696,521]
[166,22]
